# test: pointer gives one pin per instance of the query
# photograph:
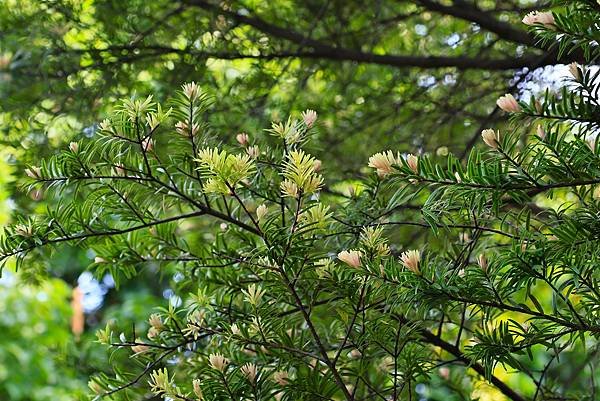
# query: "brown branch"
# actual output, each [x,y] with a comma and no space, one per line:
[450,348]
[468,12]
[432,339]
[325,51]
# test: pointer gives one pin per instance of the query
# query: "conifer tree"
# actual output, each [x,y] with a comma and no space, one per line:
[294,289]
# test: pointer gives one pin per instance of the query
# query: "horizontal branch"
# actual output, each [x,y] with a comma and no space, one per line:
[83,236]
[535,189]
[326,51]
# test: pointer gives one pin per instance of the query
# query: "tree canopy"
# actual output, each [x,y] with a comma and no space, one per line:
[380,73]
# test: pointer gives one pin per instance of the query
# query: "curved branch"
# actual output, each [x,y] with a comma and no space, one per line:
[468,12]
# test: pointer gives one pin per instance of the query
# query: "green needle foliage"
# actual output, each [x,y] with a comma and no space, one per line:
[292,289]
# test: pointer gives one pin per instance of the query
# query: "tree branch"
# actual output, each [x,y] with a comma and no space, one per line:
[326,51]
[468,12]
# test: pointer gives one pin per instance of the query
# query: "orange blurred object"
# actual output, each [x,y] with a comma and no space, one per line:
[78,318]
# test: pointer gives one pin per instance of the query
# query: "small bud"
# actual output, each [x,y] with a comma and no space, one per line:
[147,144]
[139,348]
[458,177]
[254,294]
[183,129]
[261,212]
[540,132]
[411,260]
[105,125]
[197,389]
[218,362]
[574,70]
[281,377]
[482,262]
[191,90]
[153,332]
[289,188]
[383,162]
[99,259]
[155,321]
[490,138]
[24,230]
[508,103]
[309,117]
[537,17]
[243,139]
[34,172]
[74,146]
[317,165]
[235,330]
[253,151]
[355,354]
[351,258]
[250,371]
[413,163]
